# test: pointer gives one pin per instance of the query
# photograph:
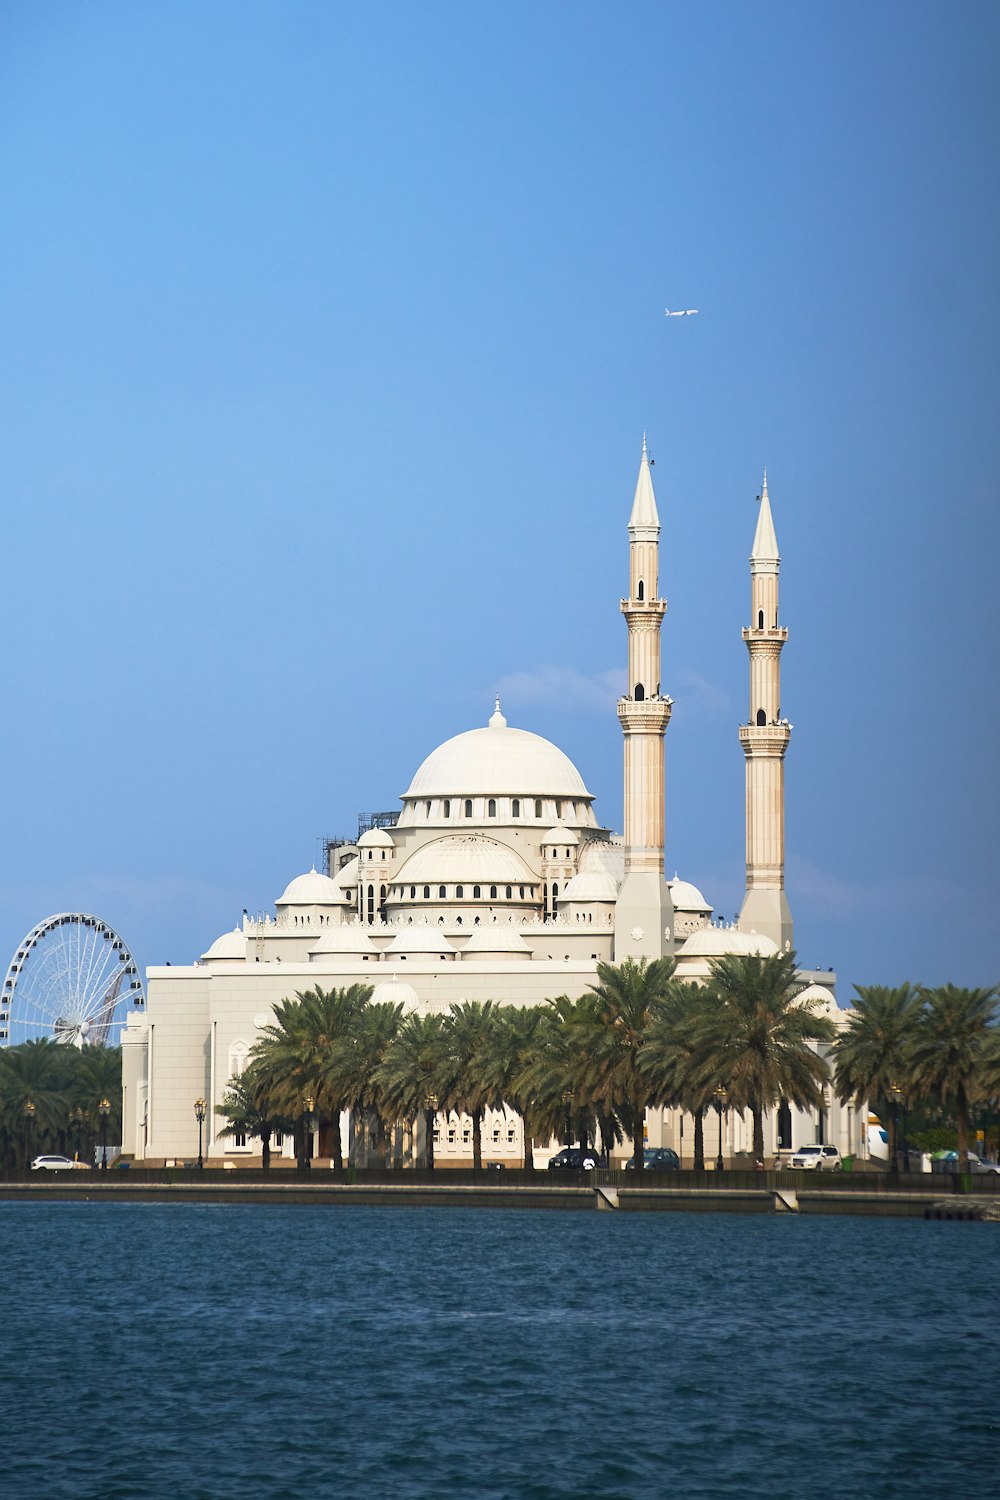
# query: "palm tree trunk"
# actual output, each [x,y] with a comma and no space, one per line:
[962,1128]
[699,1140]
[638,1143]
[758,1132]
[429,1138]
[528,1142]
[477,1140]
[265,1149]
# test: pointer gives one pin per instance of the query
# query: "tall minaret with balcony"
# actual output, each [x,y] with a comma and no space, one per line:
[765,740]
[644,914]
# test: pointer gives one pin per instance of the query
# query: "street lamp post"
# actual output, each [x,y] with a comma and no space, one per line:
[895,1097]
[29,1120]
[200,1109]
[305,1132]
[431,1106]
[104,1109]
[721,1100]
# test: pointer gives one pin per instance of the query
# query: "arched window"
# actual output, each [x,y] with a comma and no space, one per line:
[370,854]
[493,893]
[642,590]
[538,807]
[761,718]
[558,811]
[477,891]
[760,619]
[427,892]
[555,896]
[640,692]
[381,903]
[509,893]
[447,808]
[491,808]
[521,891]
[459,893]
[413,893]
[468,807]
[427,809]
[442,892]
[371,904]
[515,808]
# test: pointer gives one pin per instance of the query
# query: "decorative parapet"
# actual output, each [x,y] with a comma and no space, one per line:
[649,714]
[765,739]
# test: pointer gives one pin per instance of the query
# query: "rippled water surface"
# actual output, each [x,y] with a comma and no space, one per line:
[276,1353]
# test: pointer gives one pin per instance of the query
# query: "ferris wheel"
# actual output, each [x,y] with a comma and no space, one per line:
[73,980]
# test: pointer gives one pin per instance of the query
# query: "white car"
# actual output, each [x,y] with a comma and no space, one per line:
[819,1158]
[57,1164]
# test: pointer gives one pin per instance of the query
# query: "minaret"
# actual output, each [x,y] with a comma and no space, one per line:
[765,740]
[644,914]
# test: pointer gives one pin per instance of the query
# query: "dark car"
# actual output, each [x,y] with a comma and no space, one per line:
[577,1159]
[656,1159]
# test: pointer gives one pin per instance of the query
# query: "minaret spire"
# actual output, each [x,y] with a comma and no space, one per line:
[765,740]
[644,912]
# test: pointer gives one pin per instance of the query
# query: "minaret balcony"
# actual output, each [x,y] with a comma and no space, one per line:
[776,633]
[645,715]
[647,611]
[766,739]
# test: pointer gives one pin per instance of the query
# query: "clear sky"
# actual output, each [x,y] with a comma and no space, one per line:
[328,337]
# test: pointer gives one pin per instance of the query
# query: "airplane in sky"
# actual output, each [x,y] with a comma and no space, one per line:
[687,313]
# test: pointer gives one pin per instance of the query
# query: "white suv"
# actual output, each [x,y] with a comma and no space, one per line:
[820,1158]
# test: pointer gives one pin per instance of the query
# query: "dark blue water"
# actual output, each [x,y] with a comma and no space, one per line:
[282,1353]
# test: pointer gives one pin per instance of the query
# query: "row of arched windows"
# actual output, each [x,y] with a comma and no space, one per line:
[477,892]
[491,807]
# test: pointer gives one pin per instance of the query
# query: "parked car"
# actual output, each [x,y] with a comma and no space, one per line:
[58,1164]
[819,1158]
[976,1164]
[577,1159]
[656,1159]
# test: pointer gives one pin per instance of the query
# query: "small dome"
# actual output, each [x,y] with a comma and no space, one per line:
[560,834]
[603,856]
[229,946]
[497,937]
[375,838]
[345,937]
[822,1001]
[465,859]
[498,762]
[420,940]
[312,889]
[396,992]
[717,942]
[593,885]
[687,897]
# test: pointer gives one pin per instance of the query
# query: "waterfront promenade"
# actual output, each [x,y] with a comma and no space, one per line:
[870,1194]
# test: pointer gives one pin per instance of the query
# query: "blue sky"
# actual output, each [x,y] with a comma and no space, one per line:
[330,335]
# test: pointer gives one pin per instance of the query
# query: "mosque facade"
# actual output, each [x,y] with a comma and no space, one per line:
[496,881]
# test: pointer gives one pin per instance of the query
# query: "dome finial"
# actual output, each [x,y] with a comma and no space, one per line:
[497,720]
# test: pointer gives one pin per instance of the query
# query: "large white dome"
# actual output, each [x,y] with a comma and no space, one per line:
[498,762]
[470,859]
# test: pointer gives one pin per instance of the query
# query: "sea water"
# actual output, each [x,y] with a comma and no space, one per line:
[298,1353]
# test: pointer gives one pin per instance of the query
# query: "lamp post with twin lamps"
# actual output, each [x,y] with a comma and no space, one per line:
[895,1094]
[721,1100]
[29,1120]
[305,1126]
[430,1114]
[200,1110]
[104,1109]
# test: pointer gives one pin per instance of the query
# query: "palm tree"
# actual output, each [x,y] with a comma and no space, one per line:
[872,1053]
[952,1052]
[512,1044]
[413,1074]
[33,1074]
[611,1030]
[674,1059]
[470,1087]
[755,1035]
[351,1070]
[249,1106]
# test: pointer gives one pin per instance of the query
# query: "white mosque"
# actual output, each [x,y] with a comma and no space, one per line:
[496,881]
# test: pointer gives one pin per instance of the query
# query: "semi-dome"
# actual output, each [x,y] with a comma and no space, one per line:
[421,940]
[376,838]
[344,937]
[464,859]
[497,937]
[822,1001]
[498,762]
[346,877]
[396,992]
[717,942]
[229,946]
[311,889]
[592,885]
[687,897]
[603,855]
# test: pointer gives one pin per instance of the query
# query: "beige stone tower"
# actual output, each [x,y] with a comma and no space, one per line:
[765,740]
[644,912]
